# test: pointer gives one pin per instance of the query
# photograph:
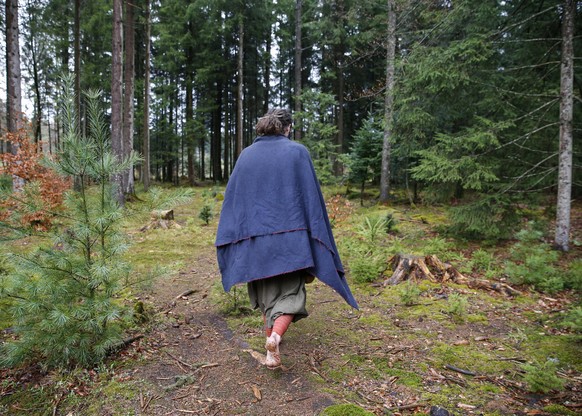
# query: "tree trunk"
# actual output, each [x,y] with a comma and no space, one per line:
[388,103]
[77,63]
[216,151]
[267,76]
[13,80]
[116,96]
[239,96]
[129,83]
[146,103]
[36,85]
[298,65]
[566,113]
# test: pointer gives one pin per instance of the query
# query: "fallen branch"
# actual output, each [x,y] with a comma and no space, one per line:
[405,407]
[186,293]
[123,344]
[460,370]
[179,361]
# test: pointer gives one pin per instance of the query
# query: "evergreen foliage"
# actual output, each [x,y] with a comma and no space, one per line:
[365,156]
[319,132]
[488,217]
[66,306]
[206,214]
[542,378]
[573,320]
[409,293]
[457,306]
[534,262]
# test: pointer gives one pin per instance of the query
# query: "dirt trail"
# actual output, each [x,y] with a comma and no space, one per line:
[220,377]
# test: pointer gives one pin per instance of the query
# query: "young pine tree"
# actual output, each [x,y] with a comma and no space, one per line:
[65,306]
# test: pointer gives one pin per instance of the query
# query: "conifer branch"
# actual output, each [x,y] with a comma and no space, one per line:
[520,177]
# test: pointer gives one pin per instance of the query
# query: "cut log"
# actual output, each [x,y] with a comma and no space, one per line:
[408,267]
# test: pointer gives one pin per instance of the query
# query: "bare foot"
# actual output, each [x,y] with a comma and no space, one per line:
[273,356]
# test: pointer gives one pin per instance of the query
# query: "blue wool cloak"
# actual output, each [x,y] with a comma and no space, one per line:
[274,220]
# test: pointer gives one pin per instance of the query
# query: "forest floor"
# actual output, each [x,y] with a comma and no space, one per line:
[201,349]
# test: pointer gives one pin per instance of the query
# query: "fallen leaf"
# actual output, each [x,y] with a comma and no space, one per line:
[257,356]
[466,406]
[461,342]
[257,392]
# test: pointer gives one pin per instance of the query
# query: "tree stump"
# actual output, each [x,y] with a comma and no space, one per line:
[161,219]
[167,215]
[408,267]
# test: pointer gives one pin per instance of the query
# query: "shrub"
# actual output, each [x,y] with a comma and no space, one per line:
[482,260]
[438,246]
[542,378]
[573,320]
[532,262]
[371,228]
[365,269]
[206,214]
[457,306]
[409,293]
[44,189]
[389,223]
[573,278]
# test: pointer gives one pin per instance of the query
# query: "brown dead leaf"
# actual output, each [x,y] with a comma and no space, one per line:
[461,342]
[257,392]
[257,356]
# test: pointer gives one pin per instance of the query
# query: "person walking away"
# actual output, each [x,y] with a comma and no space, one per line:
[274,233]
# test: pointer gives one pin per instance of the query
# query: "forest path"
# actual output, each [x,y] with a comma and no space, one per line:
[195,347]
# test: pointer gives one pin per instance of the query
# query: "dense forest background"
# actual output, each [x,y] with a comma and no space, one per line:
[473,88]
[446,134]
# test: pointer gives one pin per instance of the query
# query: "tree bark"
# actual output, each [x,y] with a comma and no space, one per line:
[298,64]
[34,56]
[239,96]
[562,237]
[129,84]
[388,103]
[146,103]
[216,145]
[13,81]
[77,63]
[116,96]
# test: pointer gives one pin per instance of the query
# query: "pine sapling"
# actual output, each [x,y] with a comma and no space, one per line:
[66,308]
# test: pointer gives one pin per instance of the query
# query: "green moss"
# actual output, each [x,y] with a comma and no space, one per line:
[114,397]
[564,348]
[345,410]
[476,318]
[37,401]
[374,320]
[469,357]
[557,409]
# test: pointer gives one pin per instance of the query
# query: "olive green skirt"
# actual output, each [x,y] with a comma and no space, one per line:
[279,295]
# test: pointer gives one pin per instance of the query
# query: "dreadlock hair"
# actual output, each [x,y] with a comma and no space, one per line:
[274,122]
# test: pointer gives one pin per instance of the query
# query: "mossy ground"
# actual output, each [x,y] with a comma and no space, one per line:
[381,357]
